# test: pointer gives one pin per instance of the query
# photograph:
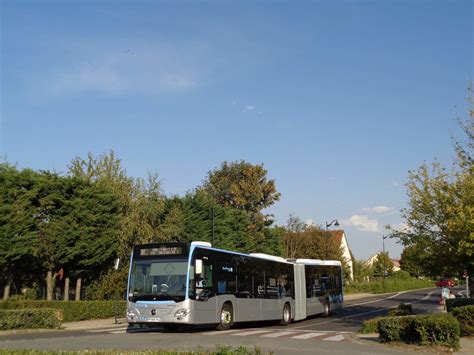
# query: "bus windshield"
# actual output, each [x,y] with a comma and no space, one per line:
[157,280]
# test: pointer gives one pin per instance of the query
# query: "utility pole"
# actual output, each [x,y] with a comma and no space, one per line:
[383,257]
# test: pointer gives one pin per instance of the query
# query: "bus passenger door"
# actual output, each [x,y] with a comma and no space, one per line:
[206,302]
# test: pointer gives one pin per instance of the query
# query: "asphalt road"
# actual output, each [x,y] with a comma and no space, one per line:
[328,335]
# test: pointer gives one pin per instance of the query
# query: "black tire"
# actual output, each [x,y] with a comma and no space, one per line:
[326,309]
[226,317]
[285,315]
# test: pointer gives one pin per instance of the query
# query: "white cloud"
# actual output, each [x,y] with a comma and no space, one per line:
[248,108]
[148,69]
[402,227]
[309,223]
[362,223]
[378,209]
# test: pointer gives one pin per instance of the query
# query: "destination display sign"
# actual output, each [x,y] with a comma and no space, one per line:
[160,250]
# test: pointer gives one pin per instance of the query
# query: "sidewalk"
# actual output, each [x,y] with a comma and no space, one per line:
[94,324]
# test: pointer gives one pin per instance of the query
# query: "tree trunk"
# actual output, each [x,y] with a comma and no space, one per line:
[78,289]
[66,289]
[6,291]
[49,286]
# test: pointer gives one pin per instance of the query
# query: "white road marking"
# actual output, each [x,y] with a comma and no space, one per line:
[277,334]
[365,313]
[252,332]
[335,338]
[105,330]
[308,335]
[377,300]
[221,332]
[119,332]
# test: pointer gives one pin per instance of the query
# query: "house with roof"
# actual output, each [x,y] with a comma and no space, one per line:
[341,238]
[395,262]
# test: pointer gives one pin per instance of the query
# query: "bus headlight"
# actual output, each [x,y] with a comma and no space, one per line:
[130,315]
[181,313]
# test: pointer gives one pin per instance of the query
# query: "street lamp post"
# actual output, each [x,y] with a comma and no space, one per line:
[336,223]
[383,256]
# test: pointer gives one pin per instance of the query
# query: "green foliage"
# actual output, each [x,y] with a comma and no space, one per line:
[53,222]
[442,329]
[416,260]
[313,243]
[141,201]
[241,185]
[73,310]
[30,318]
[362,271]
[440,214]
[396,329]
[382,264]
[389,285]
[465,317]
[451,304]
[436,329]
[111,285]
[370,325]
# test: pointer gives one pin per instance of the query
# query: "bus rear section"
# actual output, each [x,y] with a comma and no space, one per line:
[322,284]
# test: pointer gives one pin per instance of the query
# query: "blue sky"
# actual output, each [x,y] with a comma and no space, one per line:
[338,99]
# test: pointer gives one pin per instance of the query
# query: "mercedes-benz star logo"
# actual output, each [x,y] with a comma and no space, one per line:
[153,312]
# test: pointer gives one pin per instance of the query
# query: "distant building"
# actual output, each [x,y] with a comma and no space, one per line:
[342,240]
[395,262]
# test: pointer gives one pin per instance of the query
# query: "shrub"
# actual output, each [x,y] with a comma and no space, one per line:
[370,325]
[458,302]
[442,329]
[436,329]
[396,328]
[391,284]
[465,316]
[73,310]
[30,318]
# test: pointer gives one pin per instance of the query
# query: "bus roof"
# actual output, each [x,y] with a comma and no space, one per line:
[318,262]
[269,257]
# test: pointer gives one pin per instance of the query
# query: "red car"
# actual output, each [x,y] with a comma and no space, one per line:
[443,283]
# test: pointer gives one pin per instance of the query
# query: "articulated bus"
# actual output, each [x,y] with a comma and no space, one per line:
[173,284]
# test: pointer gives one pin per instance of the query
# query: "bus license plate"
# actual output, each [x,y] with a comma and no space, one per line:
[154,319]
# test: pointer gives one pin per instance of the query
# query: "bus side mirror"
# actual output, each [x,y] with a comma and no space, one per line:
[198,266]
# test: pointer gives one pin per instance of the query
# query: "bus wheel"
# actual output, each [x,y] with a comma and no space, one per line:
[226,317]
[286,315]
[326,309]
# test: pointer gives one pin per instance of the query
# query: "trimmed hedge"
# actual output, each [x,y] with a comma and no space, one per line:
[396,328]
[30,318]
[436,329]
[73,310]
[370,325]
[391,284]
[458,302]
[465,317]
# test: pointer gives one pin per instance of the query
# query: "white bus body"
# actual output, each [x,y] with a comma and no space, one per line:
[193,283]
